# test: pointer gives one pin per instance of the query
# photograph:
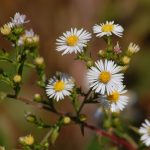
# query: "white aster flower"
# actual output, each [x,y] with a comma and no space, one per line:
[133,48]
[29,38]
[59,87]
[104,77]
[73,41]
[145,131]
[107,29]
[19,19]
[115,101]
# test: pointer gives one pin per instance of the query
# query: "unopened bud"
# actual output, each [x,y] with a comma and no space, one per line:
[66,120]
[83,117]
[37,97]
[101,53]
[30,117]
[126,60]
[17,79]
[5,30]
[90,63]
[39,61]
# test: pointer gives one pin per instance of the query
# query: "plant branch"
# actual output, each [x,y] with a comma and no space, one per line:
[84,101]
[115,139]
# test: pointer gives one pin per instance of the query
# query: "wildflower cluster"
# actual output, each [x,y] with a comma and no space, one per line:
[105,78]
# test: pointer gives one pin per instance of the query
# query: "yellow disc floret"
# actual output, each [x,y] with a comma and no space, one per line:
[104,76]
[114,97]
[59,86]
[107,28]
[72,40]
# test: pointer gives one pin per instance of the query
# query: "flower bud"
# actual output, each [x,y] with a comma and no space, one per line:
[37,97]
[66,120]
[17,79]
[82,117]
[89,63]
[117,48]
[5,30]
[27,140]
[30,117]
[39,61]
[126,60]
[101,53]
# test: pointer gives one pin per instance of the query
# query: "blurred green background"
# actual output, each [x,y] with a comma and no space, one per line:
[49,19]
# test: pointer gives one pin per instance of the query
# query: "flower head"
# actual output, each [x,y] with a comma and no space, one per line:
[145,131]
[73,41]
[28,38]
[133,48]
[104,77]
[116,100]
[19,19]
[27,140]
[107,29]
[59,86]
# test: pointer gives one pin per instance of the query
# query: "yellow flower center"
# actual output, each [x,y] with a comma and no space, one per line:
[59,86]
[114,97]
[107,28]
[104,76]
[72,40]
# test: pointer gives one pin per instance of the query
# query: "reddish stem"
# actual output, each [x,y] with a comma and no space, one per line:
[114,138]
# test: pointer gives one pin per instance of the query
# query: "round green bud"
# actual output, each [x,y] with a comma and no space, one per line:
[82,117]
[101,53]
[66,120]
[37,97]
[89,63]
[30,118]
[17,79]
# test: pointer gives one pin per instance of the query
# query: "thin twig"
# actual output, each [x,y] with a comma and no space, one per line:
[84,101]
